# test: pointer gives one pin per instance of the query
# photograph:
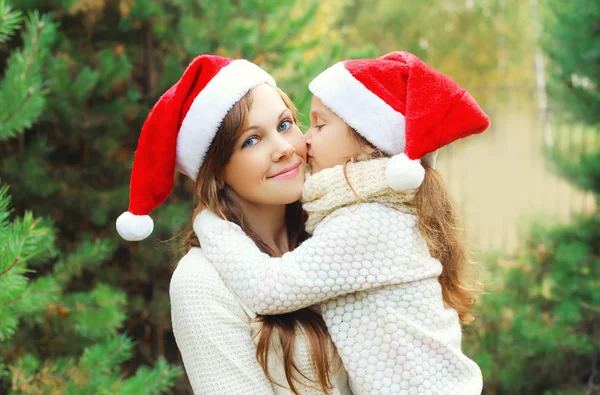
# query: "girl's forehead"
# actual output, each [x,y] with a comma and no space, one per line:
[318,109]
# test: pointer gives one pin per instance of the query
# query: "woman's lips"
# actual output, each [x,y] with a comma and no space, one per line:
[287,173]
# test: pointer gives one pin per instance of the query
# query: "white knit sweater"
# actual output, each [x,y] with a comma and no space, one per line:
[215,331]
[382,305]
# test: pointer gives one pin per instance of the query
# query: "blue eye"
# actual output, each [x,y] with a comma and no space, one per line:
[282,127]
[250,142]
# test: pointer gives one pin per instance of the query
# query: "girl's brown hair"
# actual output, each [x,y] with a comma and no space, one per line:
[210,192]
[441,228]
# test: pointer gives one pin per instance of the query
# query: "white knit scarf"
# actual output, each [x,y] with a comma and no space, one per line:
[328,190]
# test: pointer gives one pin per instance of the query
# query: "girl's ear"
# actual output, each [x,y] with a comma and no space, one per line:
[220,185]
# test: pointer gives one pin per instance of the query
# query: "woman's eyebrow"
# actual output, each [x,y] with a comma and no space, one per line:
[253,127]
[285,110]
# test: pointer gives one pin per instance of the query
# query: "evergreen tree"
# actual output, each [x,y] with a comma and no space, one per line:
[539,331]
[55,336]
[21,88]
[572,45]
[86,317]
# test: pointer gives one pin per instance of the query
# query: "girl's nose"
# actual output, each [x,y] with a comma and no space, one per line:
[308,136]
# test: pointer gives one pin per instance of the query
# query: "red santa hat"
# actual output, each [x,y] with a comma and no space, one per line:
[178,132]
[403,107]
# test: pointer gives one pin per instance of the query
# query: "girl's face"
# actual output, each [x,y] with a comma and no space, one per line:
[268,163]
[329,139]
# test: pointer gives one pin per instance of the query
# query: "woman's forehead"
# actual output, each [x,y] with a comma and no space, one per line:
[267,105]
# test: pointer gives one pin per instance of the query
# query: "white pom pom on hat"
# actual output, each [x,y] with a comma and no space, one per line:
[133,227]
[403,173]
[179,130]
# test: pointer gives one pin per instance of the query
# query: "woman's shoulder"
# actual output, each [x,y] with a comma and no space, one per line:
[195,279]
[194,262]
[194,269]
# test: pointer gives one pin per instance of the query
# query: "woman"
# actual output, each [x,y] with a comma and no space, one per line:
[227,126]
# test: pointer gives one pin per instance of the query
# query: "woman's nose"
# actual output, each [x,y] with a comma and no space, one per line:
[283,149]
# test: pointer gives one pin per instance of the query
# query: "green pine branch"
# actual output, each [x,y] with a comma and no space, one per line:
[95,372]
[9,21]
[22,87]
[89,315]
[153,381]
[21,241]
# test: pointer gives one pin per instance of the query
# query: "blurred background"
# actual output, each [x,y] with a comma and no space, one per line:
[83,312]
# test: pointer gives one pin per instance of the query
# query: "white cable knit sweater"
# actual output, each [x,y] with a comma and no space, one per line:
[215,331]
[371,269]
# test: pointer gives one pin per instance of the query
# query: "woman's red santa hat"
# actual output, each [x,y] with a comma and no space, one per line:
[403,107]
[178,132]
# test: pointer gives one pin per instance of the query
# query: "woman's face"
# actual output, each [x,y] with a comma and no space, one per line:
[329,138]
[268,163]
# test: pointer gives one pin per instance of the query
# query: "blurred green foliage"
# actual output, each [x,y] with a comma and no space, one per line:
[539,331]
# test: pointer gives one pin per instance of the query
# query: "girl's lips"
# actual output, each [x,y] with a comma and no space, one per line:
[286,175]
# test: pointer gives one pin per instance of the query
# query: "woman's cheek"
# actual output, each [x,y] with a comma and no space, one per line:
[300,144]
[254,164]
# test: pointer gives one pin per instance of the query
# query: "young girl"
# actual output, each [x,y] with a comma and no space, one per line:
[385,260]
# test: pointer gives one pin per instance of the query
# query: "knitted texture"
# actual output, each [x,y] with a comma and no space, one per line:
[303,361]
[329,190]
[215,332]
[381,300]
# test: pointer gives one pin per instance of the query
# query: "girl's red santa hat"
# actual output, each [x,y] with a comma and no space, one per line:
[178,132]
[403,107]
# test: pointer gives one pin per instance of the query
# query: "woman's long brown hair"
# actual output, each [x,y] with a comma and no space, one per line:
[210,193]
[441,228]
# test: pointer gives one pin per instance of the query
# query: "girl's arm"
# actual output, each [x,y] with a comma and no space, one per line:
[213,333]
[356,248]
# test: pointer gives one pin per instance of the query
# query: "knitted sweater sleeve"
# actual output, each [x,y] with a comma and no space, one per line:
[354,249]
[213,332]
